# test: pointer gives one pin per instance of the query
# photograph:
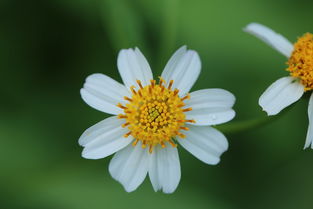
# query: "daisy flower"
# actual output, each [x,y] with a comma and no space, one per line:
[289,89]
[151,118]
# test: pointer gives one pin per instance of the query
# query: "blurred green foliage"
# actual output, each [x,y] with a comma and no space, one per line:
[49,47]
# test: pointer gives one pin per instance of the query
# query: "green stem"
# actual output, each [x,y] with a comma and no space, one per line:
[241,126]
[246,125]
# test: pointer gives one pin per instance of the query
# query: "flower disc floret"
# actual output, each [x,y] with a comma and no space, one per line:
[155,114]
[301,61]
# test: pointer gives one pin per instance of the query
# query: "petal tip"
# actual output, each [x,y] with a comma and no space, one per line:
[215,162]
[85,155]
[128,189]
[169,191]
[182,48]
[137,49]
[268,113]
[88,155]
[251,26]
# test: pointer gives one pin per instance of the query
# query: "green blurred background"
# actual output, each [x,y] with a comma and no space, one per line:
[47,48]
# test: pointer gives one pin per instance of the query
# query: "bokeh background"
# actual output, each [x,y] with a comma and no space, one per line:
[48,47]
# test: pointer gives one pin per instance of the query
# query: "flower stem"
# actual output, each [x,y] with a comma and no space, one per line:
[241,126]
[246,125]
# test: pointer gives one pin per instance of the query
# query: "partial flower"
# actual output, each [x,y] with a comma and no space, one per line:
[151,118]
[289,89]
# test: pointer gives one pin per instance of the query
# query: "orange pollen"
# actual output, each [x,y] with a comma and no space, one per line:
[139,83]
[121,106]
[128,99]
[187,109]
[301,61]
[186,97]
[189,121]
[172,143]
[176,91]
[184,128]
[150,148]
[154,115]
[135,142]
[139,92]
[152,83]
[125,124]
[121,116]
[161,81]
[133,90]
[127,134]
[171,84]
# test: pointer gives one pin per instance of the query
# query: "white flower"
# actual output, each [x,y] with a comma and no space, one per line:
[150,117]
[288,90]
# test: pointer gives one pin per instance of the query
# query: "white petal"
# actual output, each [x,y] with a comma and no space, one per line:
[129,166]
[102,127]
[205,143]
[275,40]
[184,68]
[172,63]
[104,139]
[164,169]
[281,94]
[103,93]
[309,136]
[133,66]
[210,106]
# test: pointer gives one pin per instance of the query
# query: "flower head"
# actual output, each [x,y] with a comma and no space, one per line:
[152,117]
[155,114]
[301,61]
[288,90]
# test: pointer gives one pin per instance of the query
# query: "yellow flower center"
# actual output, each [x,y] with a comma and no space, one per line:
[301,61]
[155,114]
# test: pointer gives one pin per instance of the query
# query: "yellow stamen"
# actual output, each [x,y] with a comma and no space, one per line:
[132,88]
[120,116]
[184,128]
[135,142]
[139,92]
[187,109]
[154,114]
[301,61]
[170,85]
[150,90]
[121,106]
[162,89]
[161,81]
[144,144]
[176,92]
[186,97]
[190,121]
[172,143]
[152,83]
[150,148]
[163,145]
[125,124]
[181,135]
[127,134]
[139,83]
[128,99]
